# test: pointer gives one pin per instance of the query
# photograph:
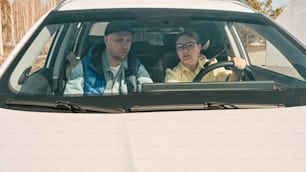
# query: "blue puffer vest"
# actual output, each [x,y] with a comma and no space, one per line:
[94,81]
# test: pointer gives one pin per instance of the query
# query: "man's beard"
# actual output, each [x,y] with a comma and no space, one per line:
[119,57]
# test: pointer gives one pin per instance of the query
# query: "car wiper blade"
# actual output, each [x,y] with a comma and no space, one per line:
[65,105]
[204,106]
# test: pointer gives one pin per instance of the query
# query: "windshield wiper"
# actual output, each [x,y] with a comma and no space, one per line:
[65,105]
[204,106]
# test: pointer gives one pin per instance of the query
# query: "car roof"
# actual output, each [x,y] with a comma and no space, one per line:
[222,5]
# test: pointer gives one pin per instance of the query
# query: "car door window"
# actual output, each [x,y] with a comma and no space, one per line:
[33,70]
[262,53]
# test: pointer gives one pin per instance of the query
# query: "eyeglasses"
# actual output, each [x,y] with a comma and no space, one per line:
[188,46]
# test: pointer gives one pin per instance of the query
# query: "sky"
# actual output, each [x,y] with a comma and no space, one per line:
[278,3]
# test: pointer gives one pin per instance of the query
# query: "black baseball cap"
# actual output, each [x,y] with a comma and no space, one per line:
[118,26]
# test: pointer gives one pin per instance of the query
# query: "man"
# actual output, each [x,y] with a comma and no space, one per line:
[109,69]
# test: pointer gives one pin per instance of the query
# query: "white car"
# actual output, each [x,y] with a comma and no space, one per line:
[256,124]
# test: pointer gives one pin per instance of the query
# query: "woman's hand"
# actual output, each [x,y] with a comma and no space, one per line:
[239,63]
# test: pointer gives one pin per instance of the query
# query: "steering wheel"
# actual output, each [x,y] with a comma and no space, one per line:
[246,71]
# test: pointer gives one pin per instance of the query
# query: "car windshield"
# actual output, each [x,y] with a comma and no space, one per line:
[275,72]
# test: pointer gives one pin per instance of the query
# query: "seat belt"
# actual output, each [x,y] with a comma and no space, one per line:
[130,74]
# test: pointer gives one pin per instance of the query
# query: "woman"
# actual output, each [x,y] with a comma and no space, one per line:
[188,48]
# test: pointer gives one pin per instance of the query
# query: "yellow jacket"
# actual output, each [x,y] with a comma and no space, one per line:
[181,74]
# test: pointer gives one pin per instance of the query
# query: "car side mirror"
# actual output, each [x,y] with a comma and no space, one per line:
[24,76]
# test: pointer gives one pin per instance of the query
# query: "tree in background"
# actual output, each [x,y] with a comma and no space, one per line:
[17,16]
[1,38]
[3,23]
[264,7]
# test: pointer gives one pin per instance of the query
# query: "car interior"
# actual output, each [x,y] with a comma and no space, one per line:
[153,46]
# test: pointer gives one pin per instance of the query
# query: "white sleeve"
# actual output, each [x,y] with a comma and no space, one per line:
[75,83]
[143,76]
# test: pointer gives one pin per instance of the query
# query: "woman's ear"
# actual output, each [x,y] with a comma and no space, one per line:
[199,46]
[105,39]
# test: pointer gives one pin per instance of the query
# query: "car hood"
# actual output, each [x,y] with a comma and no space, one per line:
[216,140]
